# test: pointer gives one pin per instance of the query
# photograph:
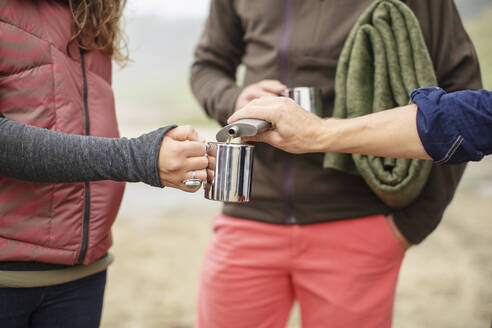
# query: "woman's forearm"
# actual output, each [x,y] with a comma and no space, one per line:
[390,133]
[40,155]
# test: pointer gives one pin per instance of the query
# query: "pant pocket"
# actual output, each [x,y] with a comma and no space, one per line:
[391,234]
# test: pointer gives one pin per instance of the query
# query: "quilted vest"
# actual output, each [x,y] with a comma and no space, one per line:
[41,85]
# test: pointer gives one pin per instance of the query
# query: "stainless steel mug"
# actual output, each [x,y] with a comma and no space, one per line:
[307,97]
[232,166]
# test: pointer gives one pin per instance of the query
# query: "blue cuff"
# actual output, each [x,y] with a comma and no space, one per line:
[441,127]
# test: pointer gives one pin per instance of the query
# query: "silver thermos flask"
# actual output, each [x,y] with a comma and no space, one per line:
[232,163]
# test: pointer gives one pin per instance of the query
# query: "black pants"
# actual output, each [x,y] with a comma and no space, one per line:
[77,304]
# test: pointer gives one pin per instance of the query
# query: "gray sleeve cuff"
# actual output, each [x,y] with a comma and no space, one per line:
[156,148]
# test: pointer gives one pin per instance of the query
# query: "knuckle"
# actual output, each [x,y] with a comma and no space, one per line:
[178,130]
[174,165]
[285,100]
[188,128]
[278,106]
[250,88]
[253,102]
[204,162]
[177,149]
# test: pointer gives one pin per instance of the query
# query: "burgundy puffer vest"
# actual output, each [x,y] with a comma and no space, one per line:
[42,86]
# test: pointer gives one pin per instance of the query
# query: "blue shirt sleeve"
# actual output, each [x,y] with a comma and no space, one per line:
[454,127]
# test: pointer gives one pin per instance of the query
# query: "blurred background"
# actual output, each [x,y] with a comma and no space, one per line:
[161,235]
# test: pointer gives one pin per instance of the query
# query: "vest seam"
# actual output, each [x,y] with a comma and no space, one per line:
[50,43]
[106,237]
[23,30]
[25,69]
[44,218]
[35,245]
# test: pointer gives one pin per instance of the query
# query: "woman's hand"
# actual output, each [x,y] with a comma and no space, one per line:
[294,129]
[182,157]
[263,88]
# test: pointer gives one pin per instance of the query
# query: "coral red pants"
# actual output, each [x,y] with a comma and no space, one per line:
[343,274]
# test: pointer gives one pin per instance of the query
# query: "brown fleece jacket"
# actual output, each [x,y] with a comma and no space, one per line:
[299,42]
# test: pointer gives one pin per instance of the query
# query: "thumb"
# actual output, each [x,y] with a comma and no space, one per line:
[183,133]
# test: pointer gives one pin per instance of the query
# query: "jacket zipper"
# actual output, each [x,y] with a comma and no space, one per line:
[285,78]
[87,202]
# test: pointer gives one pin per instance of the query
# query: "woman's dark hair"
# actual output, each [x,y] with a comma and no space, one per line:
[96,26]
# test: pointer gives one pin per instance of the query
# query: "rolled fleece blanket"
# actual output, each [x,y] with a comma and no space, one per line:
[384,58]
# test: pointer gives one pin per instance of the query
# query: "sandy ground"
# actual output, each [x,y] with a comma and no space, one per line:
[161,236]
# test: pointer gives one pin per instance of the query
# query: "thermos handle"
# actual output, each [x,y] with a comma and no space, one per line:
[247,127]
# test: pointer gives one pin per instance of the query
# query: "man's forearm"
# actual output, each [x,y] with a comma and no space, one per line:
[390,133]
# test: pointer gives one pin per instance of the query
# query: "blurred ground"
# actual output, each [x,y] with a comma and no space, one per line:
[161,235]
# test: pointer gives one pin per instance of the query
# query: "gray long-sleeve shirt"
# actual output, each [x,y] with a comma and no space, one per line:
[35,154]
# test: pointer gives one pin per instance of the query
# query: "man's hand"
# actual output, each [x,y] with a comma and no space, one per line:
[295,130]
[263,88]
[182,157]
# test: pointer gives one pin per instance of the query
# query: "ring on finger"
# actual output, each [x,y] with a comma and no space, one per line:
[193,182]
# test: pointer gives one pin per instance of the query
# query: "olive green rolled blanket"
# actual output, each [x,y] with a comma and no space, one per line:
[384,58]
